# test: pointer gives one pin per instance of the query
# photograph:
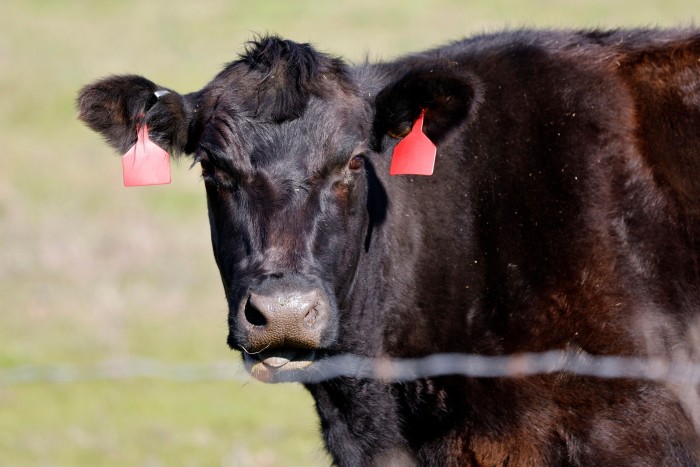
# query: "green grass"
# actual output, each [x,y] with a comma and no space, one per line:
[91,271]
[156,423]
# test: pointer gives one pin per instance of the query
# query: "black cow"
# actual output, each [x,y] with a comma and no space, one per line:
[563,214]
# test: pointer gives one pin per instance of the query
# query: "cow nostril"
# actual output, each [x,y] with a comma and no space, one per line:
[311,316]
[253,315]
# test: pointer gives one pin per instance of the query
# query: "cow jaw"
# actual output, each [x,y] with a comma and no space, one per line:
[277,365]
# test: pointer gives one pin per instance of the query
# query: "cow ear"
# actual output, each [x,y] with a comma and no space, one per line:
[116,105]
[447,95]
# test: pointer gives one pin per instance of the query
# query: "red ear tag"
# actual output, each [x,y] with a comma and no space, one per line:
[415,154]
[146,163]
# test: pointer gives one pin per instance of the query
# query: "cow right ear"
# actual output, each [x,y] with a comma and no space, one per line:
[446,94]
[117,105]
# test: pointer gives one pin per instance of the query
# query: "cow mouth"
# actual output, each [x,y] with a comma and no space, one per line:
[277,365]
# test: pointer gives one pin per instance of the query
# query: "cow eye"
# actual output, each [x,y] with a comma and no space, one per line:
[213,175]
[356,162]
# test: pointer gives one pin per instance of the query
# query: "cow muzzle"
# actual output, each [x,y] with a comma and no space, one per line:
[281,325]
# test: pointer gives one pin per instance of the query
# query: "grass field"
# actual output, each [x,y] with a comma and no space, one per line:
[90,271]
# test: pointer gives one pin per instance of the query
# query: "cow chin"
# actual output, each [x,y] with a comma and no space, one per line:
[278,365]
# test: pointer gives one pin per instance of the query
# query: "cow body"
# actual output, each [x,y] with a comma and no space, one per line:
[562,214]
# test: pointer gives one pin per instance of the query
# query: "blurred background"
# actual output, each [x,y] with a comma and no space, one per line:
[93,273]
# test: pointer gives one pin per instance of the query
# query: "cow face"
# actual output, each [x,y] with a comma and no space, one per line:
[283,138]
[287,209]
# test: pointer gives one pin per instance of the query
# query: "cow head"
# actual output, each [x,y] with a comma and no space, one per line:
[283,137]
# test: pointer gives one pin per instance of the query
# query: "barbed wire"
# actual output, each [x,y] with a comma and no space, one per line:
[123,369]
[682,372]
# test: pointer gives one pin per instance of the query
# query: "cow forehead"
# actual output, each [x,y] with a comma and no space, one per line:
[327,134]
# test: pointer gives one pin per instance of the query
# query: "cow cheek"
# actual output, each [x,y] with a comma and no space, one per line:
[214,211]
[230,243]
[347,243]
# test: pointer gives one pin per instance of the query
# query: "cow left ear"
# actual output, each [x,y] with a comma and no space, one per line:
[447,94]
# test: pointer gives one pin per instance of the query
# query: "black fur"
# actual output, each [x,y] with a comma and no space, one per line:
[114,106]
[280,92]
[562,215]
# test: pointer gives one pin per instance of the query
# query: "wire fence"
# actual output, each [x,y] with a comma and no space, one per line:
[679,372]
